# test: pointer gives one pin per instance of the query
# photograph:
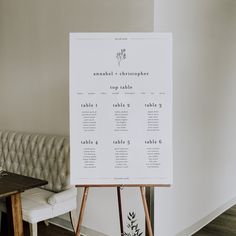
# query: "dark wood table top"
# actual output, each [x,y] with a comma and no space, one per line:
[11,183]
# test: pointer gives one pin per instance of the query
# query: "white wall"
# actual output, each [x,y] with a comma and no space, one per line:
[204,76]
[34,54]
[34,59]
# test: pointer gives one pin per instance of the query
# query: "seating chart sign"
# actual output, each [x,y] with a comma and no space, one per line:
[121,108]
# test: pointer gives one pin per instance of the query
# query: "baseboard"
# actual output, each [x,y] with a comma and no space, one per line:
[204,221]
[67,225]
[61,223]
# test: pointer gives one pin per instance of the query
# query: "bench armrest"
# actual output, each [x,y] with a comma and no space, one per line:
[62,196]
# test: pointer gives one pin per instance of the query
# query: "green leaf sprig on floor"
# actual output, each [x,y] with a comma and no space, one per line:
[133,226]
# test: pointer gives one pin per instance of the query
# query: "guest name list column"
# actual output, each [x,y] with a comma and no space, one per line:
[120,108]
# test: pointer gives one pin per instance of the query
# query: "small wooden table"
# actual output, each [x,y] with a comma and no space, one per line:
[11,185]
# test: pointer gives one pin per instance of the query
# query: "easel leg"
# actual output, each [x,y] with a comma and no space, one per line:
[149,226]
[82,208]
[120,211]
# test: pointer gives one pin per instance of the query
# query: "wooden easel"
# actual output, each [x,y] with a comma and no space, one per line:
[145,206]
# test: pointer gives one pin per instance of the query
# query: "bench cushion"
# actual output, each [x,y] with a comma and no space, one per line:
[35,206]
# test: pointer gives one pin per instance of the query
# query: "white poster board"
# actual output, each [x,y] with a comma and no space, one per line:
[121,108]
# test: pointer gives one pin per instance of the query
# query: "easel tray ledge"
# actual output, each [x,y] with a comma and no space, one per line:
[123,185]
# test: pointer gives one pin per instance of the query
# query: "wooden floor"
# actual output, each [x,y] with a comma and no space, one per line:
[223,225]
[43,230]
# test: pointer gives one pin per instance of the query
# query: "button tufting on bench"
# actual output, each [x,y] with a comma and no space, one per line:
[39,156]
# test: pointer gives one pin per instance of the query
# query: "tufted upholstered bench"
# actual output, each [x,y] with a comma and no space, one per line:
[44,157]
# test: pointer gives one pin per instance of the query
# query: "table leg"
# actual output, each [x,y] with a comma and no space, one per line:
[14,213]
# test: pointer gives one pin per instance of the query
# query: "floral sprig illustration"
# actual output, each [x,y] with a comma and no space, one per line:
[133,226]
[120,56]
